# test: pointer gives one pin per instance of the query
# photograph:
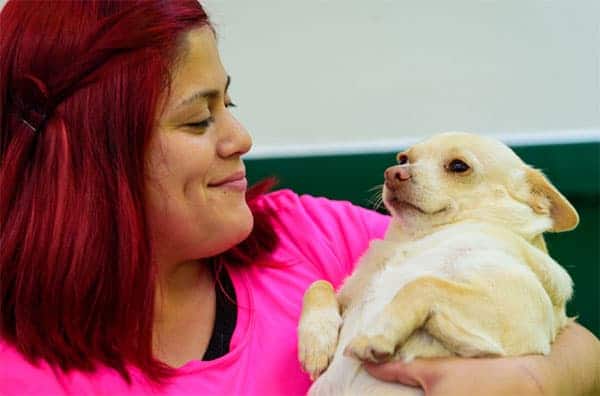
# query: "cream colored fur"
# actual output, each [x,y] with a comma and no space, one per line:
[463,270]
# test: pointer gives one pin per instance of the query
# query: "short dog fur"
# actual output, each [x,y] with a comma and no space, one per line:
[463,269]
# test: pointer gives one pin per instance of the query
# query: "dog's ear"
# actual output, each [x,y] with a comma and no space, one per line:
[545,198]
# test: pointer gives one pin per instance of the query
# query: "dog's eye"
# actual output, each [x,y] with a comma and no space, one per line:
[402,159]
[458,166]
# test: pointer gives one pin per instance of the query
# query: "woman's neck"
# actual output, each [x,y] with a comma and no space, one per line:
[184,312]
[178,280]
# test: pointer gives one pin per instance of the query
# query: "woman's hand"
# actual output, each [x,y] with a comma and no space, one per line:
[572,368]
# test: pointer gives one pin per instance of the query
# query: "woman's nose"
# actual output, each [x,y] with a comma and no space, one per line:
[234,140]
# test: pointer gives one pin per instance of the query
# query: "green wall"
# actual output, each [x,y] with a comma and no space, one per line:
[573,168]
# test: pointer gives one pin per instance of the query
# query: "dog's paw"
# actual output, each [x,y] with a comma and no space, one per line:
[317,341]
[373,348]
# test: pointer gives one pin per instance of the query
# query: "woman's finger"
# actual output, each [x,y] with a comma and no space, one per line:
[411,374]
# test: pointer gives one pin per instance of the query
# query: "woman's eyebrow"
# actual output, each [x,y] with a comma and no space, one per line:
[202,94]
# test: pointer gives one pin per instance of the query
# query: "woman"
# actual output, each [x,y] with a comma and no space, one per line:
[132,261]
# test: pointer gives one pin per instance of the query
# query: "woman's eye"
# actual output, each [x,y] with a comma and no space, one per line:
[230,104]
[458,166]
[201,124]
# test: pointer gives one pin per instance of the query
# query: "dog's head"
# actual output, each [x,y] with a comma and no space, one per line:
[453,177]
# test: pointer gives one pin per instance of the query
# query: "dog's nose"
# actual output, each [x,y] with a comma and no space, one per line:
[394,175]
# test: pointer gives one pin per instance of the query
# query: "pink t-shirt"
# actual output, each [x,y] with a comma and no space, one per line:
[319,239]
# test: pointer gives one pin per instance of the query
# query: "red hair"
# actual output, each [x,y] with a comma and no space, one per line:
[80,83]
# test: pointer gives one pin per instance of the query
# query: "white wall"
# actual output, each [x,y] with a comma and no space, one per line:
[367,73]
[323,75]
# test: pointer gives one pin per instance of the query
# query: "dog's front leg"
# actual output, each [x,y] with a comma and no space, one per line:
[428,303]
[319,328]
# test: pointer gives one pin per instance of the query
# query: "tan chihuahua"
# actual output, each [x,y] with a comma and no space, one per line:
[463,269]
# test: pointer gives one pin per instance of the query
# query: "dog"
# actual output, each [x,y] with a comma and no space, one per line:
[463,269]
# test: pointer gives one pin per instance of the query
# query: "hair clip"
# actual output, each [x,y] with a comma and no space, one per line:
[28,124]
[34,121]
[33,102]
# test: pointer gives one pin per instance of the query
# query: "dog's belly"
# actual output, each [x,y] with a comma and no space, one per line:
[514,311]
[345,375]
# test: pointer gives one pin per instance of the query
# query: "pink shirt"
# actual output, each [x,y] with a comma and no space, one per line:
[319,239]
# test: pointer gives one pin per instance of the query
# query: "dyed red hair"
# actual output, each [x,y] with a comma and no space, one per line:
[76,277]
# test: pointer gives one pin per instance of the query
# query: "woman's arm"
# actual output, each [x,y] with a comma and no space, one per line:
[572,368]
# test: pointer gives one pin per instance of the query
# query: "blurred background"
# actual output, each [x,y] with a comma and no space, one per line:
[331,89]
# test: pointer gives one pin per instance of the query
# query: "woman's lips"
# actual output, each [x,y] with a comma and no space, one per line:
[239,184]
[236,181]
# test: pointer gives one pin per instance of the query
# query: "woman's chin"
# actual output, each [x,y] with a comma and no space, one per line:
[245,227]
[238,229]
[224,230]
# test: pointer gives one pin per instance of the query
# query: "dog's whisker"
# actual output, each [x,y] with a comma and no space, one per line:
[373,201]
[376,199]
[376,204]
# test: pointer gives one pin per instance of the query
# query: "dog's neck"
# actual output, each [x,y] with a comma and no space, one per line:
[400,232]
[520,219]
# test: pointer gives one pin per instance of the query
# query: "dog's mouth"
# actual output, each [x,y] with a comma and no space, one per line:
[399,205]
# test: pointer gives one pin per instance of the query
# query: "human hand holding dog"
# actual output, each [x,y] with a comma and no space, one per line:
[571,368]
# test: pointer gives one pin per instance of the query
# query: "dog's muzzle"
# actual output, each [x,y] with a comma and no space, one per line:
[395,175]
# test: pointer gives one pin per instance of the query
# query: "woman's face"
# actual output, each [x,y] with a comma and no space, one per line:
[196,180]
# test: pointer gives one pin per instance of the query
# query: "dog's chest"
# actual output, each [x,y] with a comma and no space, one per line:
[439,254]
[452,254]
[446,251]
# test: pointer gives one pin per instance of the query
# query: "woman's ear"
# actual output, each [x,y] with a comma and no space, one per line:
[545,198]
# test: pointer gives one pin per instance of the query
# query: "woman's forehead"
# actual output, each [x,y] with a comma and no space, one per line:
[199,67]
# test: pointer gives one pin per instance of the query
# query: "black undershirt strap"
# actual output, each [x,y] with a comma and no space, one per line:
[225,318]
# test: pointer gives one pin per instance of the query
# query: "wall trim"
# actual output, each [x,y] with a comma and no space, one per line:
[389,145]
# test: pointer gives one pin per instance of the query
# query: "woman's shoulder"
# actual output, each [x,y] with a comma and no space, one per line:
[287,198]
[329,234]
[329,214]
[19,376]
[278,199]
